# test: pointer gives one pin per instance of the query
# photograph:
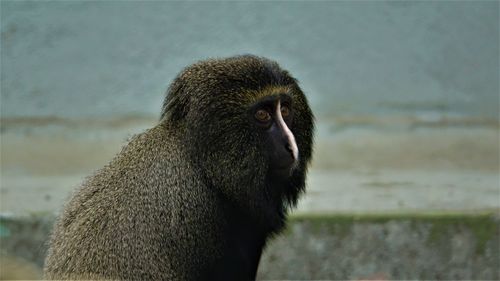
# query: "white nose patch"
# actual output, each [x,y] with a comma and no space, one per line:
[288,133]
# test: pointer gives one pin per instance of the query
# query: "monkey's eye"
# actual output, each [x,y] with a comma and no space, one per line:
[285,111]
[262,115]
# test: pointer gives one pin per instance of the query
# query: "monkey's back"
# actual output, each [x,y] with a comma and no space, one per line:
[137,218]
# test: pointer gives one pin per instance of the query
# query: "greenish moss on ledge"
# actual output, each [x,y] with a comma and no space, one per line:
[483,225]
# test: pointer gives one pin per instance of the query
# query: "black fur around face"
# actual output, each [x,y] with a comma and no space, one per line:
[209,101]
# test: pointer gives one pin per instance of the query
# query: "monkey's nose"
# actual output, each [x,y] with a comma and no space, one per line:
[292,150]
[291,147]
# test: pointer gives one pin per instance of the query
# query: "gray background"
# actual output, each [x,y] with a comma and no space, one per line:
[93,59]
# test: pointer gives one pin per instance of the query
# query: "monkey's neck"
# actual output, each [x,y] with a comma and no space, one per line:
[243,245]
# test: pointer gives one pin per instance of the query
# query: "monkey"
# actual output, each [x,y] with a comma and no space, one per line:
[199,195]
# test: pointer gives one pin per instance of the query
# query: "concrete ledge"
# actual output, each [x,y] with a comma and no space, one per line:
[385,246]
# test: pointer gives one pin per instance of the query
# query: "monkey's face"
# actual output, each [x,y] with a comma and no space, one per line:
[273,117]
[247,128]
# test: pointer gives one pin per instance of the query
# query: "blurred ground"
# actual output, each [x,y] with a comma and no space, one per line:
[384,165]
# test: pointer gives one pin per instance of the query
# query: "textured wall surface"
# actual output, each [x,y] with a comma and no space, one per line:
[396,247]
[400,248]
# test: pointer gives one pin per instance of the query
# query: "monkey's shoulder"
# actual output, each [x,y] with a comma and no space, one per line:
[147,197]
[149,175]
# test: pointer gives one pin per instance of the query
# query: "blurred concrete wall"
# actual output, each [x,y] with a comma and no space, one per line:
[407,247]
[87,59]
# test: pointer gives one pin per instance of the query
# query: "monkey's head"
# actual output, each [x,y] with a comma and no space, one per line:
[248,131]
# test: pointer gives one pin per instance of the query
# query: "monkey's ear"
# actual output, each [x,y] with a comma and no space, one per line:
[176,104]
